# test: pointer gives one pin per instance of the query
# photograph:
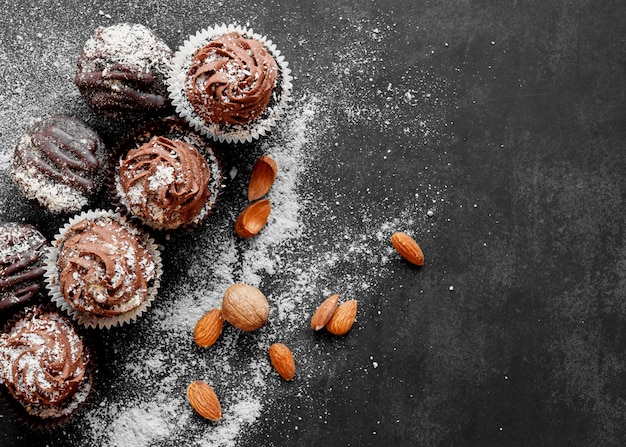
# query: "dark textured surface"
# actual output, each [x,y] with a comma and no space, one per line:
[512,334]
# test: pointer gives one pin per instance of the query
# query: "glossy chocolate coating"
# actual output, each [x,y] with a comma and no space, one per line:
[22,249]
[59,163]
[121,72]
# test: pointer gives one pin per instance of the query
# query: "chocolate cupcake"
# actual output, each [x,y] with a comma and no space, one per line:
[230,83]
[60,163]
[22,253]
[45,367]
[166,175]
[102,270]
[121,72]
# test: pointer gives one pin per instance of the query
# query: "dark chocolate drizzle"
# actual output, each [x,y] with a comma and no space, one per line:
[122,86]
[67,159]
[21,273]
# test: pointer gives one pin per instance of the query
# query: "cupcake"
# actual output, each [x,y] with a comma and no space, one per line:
[230,83]
[45,367]
[166,175]
[60,163]
[102,270]
[121,72]
[22,253]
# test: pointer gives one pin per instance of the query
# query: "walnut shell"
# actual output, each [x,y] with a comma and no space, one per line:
[245,307]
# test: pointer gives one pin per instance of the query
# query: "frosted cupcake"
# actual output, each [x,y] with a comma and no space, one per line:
[102,270]
[230,83]
[45,367]
[166,175]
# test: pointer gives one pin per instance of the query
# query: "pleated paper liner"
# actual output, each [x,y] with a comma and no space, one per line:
[239,133]
[82,317]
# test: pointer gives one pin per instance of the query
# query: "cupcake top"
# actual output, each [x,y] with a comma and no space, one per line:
[104,267]
[165,182]
[231,79]
[121,71]
[22,252]
[59,163]
[166,175]
[44,364]
[230,83]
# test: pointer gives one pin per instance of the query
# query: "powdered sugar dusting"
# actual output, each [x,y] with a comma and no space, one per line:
[324,236]
[134,45]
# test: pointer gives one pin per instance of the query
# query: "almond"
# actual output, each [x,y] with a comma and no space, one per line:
[253,218]
[282,361]
[204,400]
[245,307]
[408,248]
[324,312]
[208,328]
[262,178]
[343,318]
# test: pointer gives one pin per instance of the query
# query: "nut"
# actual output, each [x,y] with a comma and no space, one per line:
[282,361]
[204,400]
[324,312]
[208,328]
[252,219]
[262,178]
[245,307]
[408,248]
[343,318]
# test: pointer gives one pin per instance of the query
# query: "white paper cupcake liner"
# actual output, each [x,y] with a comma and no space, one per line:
[239,133]
[84,318]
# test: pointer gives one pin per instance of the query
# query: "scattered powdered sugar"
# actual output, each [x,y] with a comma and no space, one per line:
[282,260]
[133,45]
[323,237]
[163,176]
[138,426]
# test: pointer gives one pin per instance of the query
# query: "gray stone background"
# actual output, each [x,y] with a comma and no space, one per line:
[492,130]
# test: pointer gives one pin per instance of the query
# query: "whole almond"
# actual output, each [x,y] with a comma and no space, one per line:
[204,400]
[343,318]
[324,312]
[282,361]
[245,307]
[253,218]
[208,328]
[408,248]
[262,178]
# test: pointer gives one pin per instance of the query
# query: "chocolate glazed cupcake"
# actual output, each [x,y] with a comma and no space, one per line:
[22,254]
[45,366]
[166,175]
[121,70]
[60,164]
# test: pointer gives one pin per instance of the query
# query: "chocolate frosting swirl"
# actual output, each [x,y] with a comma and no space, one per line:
[231,79]
[165,181]
[22,250]
[42,359]
[105,269]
